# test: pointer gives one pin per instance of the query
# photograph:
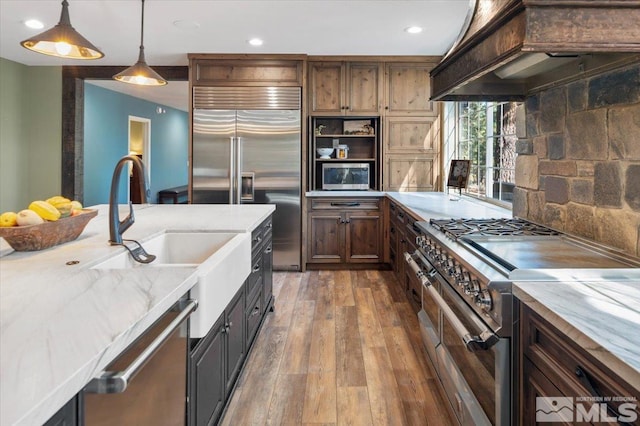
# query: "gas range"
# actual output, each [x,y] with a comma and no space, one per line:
[466,268]
[480,258]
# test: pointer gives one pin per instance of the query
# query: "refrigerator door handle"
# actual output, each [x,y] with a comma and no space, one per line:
[238,172]
[232,168]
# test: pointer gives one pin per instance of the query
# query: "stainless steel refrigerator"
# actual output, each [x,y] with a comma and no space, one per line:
[246,149]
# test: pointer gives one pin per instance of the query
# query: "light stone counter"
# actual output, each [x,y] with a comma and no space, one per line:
[427,205]
[61,325]
[602,317]
[432,205]
[340,194]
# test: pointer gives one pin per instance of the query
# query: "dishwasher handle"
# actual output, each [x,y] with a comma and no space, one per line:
[117,381]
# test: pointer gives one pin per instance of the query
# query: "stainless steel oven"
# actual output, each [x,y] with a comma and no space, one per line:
[471,361]
[468,320]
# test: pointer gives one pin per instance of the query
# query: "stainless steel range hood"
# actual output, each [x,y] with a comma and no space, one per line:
[511,48]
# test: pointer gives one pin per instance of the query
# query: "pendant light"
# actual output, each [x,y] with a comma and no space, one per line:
[141,73]
[63,41]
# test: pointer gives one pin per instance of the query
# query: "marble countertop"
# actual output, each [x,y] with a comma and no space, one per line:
[431,205]
[603,317]
[427,205]
[61,325]
[340,194]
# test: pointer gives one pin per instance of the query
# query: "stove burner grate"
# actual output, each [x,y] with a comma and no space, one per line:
[456,228]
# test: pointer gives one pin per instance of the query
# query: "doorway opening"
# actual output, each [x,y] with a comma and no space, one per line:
[140,146]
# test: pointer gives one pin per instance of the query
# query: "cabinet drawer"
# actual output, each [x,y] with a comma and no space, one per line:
[567,365]
[254,281]
[346,204]
[253,316]
[411,231]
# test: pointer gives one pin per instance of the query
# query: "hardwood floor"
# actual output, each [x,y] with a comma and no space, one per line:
[341,348]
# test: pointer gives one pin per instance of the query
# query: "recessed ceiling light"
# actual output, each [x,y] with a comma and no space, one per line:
[34,23]
[185,24]
[256,42]
[413,30]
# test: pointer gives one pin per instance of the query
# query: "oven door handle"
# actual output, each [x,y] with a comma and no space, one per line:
[482,342]
[117,381]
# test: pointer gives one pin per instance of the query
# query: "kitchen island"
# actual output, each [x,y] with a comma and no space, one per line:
[61,325]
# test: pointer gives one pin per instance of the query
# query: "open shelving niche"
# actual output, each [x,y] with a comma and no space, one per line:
[363,148]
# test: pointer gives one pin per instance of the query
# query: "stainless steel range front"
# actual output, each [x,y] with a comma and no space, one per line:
[468,321]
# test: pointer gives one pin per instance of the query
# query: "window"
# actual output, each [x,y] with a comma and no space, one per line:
[485,133]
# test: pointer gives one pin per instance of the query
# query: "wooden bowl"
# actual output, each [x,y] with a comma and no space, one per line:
[47,234]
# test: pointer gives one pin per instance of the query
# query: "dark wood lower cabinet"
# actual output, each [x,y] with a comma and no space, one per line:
[235,331]
[218,358]
[345,232]
[555,366]
[207,389]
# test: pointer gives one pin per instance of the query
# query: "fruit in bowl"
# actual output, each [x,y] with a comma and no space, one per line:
[324,153]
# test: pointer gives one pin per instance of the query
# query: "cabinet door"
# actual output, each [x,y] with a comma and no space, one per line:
[411,134]
[410,172]
[326,237]
[327,86]
[364,242]
[536,385]
[235,338]
[207,389]
[408,89]
[363,88]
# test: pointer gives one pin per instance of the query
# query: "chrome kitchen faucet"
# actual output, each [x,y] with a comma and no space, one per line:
[117,227]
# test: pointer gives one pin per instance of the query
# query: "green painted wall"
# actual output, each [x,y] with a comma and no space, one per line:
[30,133]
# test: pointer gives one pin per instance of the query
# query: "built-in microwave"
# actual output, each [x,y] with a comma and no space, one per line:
[345,176]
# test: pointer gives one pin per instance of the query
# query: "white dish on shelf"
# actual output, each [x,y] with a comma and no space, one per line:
[324,153]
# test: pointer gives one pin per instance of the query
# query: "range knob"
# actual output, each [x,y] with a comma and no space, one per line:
[463,279]
[421,241]
[472,288]
[483,300]
[455,270]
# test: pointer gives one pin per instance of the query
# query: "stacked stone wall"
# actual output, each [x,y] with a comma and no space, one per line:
[578,164]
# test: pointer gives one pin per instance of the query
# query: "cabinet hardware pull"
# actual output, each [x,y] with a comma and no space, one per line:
[347,221]
[256,311]
[258,239]
[393,230]
[268,250]
[345,204]
[117,381]
[256,267]
[269,225]
[587,383]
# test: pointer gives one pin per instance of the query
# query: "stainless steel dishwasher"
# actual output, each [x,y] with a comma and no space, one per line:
[147,383]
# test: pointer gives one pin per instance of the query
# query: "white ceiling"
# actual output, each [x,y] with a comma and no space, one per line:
[314,27]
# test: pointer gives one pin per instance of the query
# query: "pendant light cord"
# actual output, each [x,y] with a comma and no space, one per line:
[142,28]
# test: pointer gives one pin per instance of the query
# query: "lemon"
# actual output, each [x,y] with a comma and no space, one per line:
[8,219]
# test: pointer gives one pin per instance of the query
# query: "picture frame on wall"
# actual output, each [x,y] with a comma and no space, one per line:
[459,173]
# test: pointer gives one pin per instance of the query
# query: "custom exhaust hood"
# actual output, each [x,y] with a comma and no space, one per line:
[510,48]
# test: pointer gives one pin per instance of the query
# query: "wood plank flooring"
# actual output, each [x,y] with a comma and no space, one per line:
[341,348]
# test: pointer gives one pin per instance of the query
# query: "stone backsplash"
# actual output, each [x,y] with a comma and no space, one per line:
[578,165]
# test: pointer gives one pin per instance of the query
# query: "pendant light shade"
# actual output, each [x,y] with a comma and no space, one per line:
[141,73]
[63,41]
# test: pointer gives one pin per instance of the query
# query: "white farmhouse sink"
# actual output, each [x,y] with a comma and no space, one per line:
[222,259]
